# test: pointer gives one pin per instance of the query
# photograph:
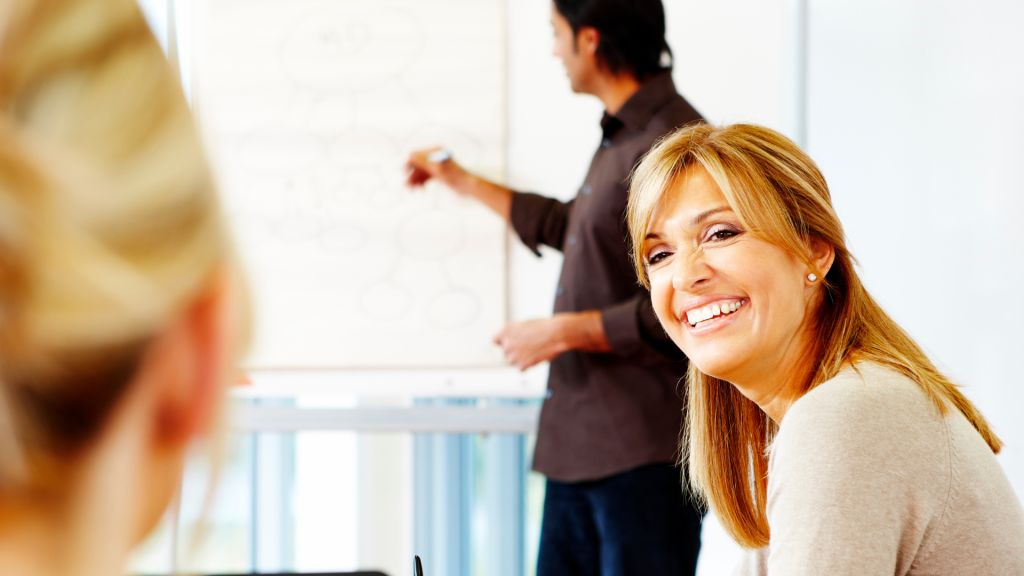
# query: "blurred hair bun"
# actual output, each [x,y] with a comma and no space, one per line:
[109,220]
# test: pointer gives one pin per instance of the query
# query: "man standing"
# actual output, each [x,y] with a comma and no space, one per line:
[608,433]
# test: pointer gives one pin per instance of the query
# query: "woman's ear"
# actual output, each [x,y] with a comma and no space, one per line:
[189,365]
[822,255]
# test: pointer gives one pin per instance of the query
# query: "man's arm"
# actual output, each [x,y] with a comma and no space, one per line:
[544,339]
[629,329]
[635,331]
[494,196]
[632,326]
[543,220]
[536,219]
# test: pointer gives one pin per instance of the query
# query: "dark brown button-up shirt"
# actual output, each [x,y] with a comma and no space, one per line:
[608,413]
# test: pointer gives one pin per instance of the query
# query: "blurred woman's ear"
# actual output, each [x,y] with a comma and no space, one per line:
[190,363]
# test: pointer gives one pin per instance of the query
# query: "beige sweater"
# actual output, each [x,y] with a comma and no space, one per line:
[867,478]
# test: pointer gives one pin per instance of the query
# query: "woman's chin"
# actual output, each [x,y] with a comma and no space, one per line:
[715,365]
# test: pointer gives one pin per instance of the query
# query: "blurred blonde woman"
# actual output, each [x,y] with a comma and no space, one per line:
[117,307]
[819,433]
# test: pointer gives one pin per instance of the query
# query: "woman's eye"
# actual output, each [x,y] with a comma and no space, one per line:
[720,233]
[657,257]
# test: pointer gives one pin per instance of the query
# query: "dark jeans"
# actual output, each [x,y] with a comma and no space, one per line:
[631,524]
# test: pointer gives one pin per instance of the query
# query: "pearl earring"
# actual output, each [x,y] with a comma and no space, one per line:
[812,278]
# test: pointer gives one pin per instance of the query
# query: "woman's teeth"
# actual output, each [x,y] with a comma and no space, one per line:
[701,316]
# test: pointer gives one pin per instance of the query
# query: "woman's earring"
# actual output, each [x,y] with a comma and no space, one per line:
[812,278]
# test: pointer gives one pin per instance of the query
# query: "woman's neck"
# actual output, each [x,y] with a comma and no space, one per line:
[776,384]
[77,540]
[86,527]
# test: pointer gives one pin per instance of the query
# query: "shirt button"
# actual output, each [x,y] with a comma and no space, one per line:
[586,190]
[572,240]
[559,291]
[606,143]
[548,394]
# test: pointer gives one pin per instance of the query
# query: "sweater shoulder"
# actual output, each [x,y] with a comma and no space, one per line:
[864,393]
[867,410]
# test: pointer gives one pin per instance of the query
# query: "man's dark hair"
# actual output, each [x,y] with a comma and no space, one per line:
[632,32]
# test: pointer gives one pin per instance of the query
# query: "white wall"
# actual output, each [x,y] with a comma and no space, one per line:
[155,12]
[915,119]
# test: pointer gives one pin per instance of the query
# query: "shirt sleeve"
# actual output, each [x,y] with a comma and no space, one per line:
[633,330]
[540,220]
[853,483]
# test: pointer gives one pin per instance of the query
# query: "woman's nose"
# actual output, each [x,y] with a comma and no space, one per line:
[690,271]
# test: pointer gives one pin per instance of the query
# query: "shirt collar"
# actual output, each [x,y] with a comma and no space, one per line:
[609,125]
[642,106]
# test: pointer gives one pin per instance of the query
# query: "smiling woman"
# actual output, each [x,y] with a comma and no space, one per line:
[818,431]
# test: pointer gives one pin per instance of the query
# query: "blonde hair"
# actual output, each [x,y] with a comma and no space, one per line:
[780,197]
[109,220]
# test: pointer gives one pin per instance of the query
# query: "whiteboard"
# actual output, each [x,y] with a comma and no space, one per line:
[312,107]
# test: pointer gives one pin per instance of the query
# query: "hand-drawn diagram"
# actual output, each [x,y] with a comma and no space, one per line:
[314,106]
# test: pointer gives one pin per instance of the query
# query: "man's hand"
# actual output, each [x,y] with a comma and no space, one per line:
[531,342]
[420,169]
[534,341]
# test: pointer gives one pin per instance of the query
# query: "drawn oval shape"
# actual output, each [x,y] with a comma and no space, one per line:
[351,48]
[280,152]
[432,235]
[343,239]
[454,310]
[386,301]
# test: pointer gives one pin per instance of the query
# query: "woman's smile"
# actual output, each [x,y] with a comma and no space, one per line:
[710,314]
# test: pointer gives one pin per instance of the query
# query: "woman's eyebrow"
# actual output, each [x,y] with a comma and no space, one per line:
[695,222]
[707,213]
